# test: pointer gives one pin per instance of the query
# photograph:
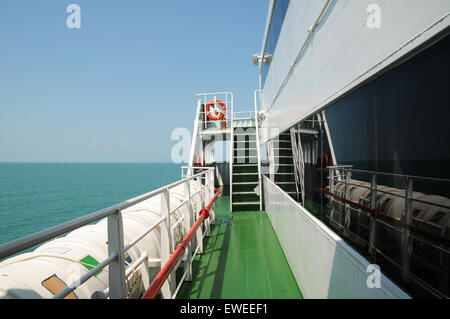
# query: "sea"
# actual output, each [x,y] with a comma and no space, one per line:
[35,196]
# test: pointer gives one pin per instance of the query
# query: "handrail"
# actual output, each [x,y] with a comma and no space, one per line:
[398,195]
[159,280]
[410,226]
[419,178]
[21,244]
[231,158]
[115,237]
[258,150]
[108,261]
[103,264]
[214,93]
[379,214]
[131,269]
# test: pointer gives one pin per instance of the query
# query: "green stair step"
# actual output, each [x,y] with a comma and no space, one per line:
[283,152]
[282,144]
[245,177]
[285,177]
[245,160]
[245,168]
[246,153]
[244,187]
[287,187]
[245,197]
[284,168]
[285,136]
[285,160]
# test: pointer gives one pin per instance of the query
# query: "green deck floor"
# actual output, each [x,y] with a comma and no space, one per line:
[242,259]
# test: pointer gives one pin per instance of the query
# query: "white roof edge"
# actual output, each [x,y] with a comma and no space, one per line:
[266,32]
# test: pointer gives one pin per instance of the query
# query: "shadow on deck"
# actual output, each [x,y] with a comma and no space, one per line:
[242,259]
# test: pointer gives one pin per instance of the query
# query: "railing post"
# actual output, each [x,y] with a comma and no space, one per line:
[212,216]
[373,218]
[199,233]
[207,199]
[407,218]
[187,226]
[116,272]
[445,267]
[348,175]
[331,188]
[166,243]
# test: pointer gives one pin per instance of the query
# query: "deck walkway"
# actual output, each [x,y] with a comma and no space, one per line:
[242,259]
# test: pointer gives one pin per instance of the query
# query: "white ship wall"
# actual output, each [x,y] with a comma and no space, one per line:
[343,53]
[323,265]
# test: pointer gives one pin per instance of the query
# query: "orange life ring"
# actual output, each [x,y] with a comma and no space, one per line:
[215,114]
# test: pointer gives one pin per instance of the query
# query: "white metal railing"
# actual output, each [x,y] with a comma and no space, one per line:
[408,228]
[208,124]
[231,160]
[187,171]
[258,151]
[216,127]
[244,119]
[250,115]
[116,247]
[204,121]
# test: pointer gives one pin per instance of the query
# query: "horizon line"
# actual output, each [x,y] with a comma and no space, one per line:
[38,162]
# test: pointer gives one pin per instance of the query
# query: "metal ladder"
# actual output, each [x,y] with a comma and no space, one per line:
[303,132]
[245,168]
[284,174]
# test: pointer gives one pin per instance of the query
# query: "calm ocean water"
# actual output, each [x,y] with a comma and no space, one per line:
[36,196]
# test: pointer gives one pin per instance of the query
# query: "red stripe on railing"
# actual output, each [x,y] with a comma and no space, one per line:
[159,280]
[379,214]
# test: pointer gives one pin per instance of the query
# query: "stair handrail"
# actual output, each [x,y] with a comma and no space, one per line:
[231,155]
[257,146]
[294,149]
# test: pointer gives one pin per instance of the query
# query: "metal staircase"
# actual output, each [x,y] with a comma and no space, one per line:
[305,141]
[245,168]
[284,173]
[241,129]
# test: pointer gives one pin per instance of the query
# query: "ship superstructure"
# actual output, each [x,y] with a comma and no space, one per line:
[360,89]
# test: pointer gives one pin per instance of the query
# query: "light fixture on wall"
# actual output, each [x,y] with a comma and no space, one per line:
[256,58]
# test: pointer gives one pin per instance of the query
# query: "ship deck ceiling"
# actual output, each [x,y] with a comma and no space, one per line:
[242,259]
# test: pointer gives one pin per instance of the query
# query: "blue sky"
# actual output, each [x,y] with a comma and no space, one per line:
[114,90]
